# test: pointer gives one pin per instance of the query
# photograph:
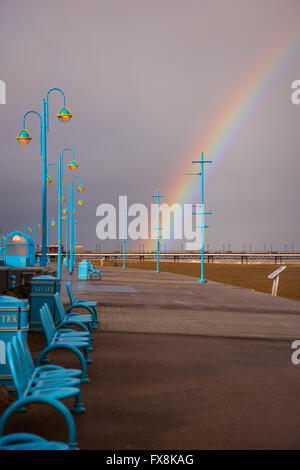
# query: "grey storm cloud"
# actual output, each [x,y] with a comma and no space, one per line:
[142,78]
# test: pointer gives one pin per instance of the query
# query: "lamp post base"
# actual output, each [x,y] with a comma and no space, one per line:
[202,281]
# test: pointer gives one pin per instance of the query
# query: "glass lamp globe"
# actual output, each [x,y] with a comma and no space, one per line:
[73,165]
[48,179]
[81,188]
[64,114]
[23,137]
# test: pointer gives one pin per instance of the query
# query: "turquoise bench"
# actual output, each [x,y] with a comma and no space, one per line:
[83,319]
[89,305]
[58,335]
[32,374]
[94,271]
[55,345]
[47,371]
[27,385]
[63,332]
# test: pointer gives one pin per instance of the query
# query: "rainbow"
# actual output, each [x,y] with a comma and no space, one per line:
[226,123]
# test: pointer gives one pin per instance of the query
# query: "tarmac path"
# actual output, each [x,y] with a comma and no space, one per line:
[179,365]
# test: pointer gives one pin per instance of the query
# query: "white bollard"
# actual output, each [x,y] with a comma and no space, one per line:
[275,277]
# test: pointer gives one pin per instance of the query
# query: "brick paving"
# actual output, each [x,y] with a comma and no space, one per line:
[138,301]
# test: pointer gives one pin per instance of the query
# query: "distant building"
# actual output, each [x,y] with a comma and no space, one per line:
[54,249]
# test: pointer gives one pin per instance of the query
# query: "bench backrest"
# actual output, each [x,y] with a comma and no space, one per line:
[70,292]
[48,323]
[19,377]
[96,271]
[22,358]
[60,307]
[26,351]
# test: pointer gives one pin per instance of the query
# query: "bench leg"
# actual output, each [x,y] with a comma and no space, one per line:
[86,355]
[90,327]
[78,408]
[94,325]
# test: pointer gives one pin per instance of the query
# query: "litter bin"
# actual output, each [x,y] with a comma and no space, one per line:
[83,270]
[13,317]
[42,290]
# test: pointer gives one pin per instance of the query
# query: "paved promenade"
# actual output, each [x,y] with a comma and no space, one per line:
[140,301]
[179,365]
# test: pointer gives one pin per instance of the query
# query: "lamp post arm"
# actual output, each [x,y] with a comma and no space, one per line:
[34,234]
[47,103]
[41,126]
[76,177]
[68,189]
[62,157]
[57,169]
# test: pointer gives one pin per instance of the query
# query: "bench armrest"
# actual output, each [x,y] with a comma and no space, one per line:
[71,322]
[76,351]
[81,305]
[49,401]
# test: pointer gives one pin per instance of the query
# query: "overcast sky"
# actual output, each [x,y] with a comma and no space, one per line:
[142,78]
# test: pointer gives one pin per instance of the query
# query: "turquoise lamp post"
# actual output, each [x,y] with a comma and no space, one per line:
[49,181]
[75,239]
[33,228]
[72,212]
[158,228]
[51,221]
[65,217]
[66,213]
[124,239]
[24,137]
[202,212]
[59,167]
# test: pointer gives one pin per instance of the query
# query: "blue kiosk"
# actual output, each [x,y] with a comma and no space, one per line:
[19,250]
